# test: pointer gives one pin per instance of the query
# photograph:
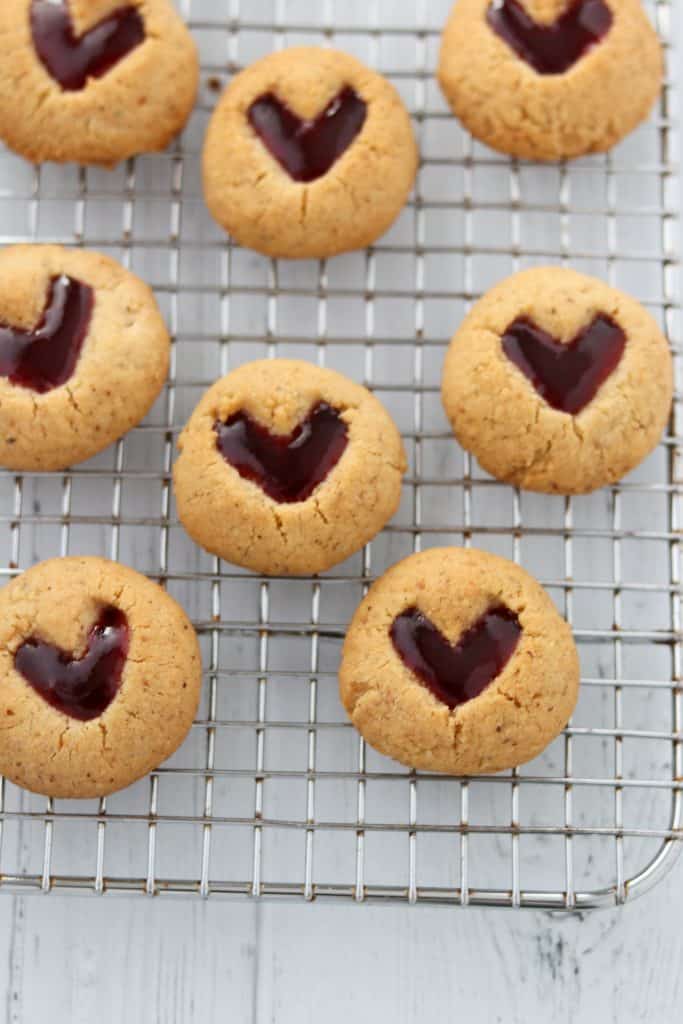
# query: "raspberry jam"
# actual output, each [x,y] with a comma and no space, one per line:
[82,688]
[287,467]
[45,356]
[567,376]
[456,674]
[555,48]
[70,59]
[308,149]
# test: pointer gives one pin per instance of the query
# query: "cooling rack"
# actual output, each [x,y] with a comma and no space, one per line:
[274,794]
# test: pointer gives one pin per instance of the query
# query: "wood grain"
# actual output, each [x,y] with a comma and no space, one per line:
[116,960]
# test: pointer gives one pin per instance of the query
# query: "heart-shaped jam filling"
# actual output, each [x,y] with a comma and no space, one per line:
[555,48]
[45,357]
[567,376]
[456,673]
[308,149]
[70,59]
[80,687]
[288,467]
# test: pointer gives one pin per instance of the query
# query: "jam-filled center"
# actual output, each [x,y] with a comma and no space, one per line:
[70,59]
[45,356]
[308,149]
[555,48]
[288,467]
[82,688]
[456,673]
[568,376]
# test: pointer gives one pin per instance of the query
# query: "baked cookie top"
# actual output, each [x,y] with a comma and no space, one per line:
[100,676]
[309,153]
[83,355]
[457,661]
[94,81]
[287,468]
[550,79]
[558,382]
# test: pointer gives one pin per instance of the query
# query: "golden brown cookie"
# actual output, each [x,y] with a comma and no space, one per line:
[457,661]
[549,79]
[94,81]
[287,469]
[83,355]
[308,154]
[100,675]
[557,382]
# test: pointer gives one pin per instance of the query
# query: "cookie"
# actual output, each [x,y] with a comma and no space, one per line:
[457,661]
[100,676]
[309,154]
[557,382]
[84,353]
[94,81]
[287,469]
[550,79]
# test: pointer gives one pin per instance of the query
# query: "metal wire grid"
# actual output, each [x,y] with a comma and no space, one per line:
[274,794]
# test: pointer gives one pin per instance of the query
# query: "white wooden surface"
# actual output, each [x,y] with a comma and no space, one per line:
[139,961]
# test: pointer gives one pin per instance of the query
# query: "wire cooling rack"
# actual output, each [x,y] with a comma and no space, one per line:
[274,794]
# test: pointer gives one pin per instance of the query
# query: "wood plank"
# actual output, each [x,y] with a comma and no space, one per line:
[138,961]
[133,960]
